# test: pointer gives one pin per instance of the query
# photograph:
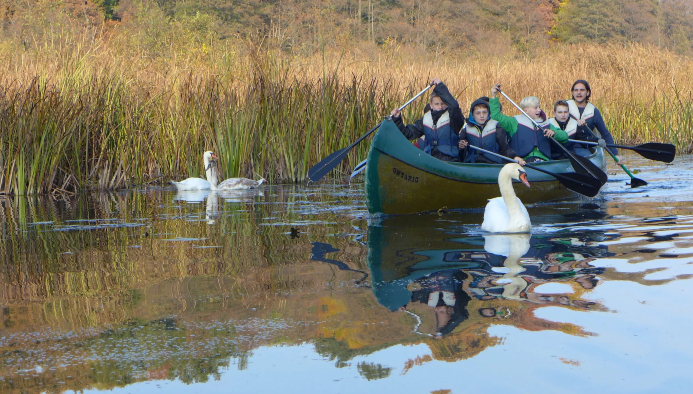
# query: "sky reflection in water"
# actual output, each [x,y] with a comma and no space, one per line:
[293,289]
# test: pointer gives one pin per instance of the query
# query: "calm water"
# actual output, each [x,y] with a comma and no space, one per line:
[295,289]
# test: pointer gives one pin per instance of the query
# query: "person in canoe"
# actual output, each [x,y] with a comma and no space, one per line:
[587,114]
[562,120]
[440,126]
[484,132]
[527,143]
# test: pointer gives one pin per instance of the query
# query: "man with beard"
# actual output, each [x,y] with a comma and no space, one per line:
[585,113]
[440,126]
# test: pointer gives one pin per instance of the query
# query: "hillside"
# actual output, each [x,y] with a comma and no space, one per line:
[471,25]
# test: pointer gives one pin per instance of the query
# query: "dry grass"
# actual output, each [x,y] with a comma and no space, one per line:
[87,110]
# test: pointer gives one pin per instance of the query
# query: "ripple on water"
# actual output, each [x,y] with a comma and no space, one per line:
[151,313]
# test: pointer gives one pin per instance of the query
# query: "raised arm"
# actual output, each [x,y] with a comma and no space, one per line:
[456,115]
[508,123]
[560,135]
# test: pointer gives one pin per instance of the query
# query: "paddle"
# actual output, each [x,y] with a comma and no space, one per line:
[580,183]
[327,164]
[634,182]
[651,150]
[359,167]
[581,164]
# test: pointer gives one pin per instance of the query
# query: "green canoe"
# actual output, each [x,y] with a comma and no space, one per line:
[402,179]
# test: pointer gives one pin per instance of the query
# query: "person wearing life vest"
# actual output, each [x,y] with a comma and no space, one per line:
[440,126]
[484,132]
[587,114]
[562,120]
[527,142]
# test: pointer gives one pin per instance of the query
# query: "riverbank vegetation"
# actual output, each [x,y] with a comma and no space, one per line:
[88,104]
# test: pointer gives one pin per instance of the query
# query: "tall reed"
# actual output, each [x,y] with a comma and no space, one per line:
[107,114]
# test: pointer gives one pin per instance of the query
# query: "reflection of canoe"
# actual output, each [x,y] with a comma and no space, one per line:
[403,250]
[402,179]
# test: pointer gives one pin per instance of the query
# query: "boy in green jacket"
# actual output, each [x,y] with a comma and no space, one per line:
[530,144]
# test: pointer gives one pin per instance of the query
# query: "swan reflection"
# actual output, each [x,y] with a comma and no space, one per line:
[211,199]
[452,286]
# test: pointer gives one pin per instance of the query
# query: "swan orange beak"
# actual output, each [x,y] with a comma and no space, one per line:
[523,178]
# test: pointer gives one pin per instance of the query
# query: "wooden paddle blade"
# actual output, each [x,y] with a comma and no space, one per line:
[586,167]
[637,182]
[318,171]
[656,151]
[586,185]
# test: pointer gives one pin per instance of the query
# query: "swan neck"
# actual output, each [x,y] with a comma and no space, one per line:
[505,185]
[211,174]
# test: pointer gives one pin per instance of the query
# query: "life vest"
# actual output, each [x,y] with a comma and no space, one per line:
[570,129]
[440,135]
[486,139]
[587,114]
[527,138]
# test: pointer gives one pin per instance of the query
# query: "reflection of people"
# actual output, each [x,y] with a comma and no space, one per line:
[587,281]
[443,291]
[564,262]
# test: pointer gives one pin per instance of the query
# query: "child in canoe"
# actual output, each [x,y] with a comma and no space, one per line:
[440,126]
[486,133]
[576,130]
[530,144]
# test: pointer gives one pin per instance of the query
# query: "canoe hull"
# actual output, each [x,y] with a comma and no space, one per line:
[402,179]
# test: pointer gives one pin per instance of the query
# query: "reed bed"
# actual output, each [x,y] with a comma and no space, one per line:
[103,113]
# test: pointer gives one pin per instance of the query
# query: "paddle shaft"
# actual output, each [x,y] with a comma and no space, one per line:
[588,186]
[507,159]
[326,165]
[634,182]
[405,105]
[573,160]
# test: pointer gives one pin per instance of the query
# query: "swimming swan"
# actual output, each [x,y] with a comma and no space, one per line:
[506,214]
[239,184]
[231,184]
[199,183]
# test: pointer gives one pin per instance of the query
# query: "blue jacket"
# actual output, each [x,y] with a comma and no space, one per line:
[527,137]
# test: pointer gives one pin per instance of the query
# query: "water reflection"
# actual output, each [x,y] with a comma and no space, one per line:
[457,287]
[108,290]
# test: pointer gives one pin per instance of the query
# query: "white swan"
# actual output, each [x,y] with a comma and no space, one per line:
[231,184]
[199,183]
[506,214]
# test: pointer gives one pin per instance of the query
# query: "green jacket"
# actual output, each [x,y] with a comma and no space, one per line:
[510,125]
